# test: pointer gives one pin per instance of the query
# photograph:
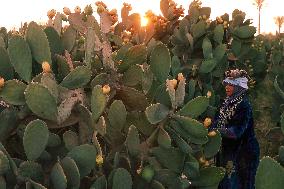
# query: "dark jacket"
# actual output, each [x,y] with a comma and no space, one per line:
[239,152]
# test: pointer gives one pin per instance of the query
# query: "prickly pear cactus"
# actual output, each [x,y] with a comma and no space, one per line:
[112,104]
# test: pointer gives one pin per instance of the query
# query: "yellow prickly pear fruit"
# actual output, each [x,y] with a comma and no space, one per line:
[99,160]
[174,82]
[45,67]
[126,40]
[206,164]
[212,133]
[180,77]
[51,13]
[2,82]
[204,16]
[106,89]
[100,9]
[209,94]
[138,171]
[77,9]
[207,122]
[202,160]
[66,11]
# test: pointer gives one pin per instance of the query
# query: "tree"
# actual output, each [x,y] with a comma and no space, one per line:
[279,21]
[258,4]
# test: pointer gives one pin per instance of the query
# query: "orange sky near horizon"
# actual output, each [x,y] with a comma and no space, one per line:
[16,11]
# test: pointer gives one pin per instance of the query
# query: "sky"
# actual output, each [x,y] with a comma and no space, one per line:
[14,12]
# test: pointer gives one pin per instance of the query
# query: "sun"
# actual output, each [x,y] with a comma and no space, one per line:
[144,21]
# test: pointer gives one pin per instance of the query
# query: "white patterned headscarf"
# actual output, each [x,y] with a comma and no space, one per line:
[237,78]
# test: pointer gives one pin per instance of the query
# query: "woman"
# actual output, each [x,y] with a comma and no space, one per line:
[239,152]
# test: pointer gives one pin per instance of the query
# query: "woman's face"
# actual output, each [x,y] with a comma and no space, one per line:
[229,89]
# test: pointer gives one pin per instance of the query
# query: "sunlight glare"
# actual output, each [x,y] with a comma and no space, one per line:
[36,10]
[144,21]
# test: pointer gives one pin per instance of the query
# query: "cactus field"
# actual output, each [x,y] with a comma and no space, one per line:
[93,101]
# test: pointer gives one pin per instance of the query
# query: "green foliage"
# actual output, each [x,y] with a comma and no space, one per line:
[195,107]
[122,179]
[156,113]
[209,177]
[71,172]
[147,130]
[147,173]
[98,102]
[134,55]
[132,141]
[277,88]
[171,158]
[38,43]
[31,170]
[6,68]
[4,166]
[168,178]
[53,140]
[100,183]
[269,174]
[117,115]
[58,177]
[164,139]
[21,57]
[41,101]
[198,29]
[160,62]
[132,76]
[213,145]
[244,32]
[70,139]
[13,92]
[282,122]
[84,156]
[55,43]
[63,67]
[207,66]
[77,78]
[157,185]
[69,38]
[192,126]
[219,33]
[35,139]
[207,48]
[191,169]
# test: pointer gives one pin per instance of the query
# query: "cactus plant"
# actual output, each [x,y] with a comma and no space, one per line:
[35,139]
[13,92]
[6,68]
[111,102]
[21,58]
[38,43]
[58,177]
[47,108]
[273,177]
[160,62]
